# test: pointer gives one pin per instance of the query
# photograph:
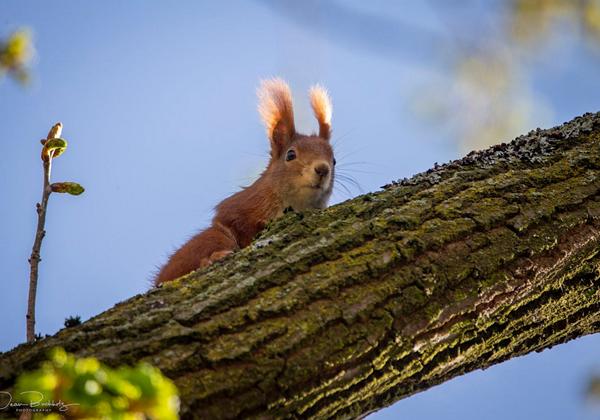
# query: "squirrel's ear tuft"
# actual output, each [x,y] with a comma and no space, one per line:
[321,105]
[277,112]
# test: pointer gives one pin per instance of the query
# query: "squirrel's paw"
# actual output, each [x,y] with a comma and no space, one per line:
[217,255]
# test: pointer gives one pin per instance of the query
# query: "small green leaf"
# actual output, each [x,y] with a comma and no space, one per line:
[57,145]
[72,188]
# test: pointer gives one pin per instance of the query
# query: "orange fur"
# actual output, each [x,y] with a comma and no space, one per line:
[276,110]
[321,105]
[303,182]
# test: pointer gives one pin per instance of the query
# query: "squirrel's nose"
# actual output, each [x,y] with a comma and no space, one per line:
[322,169]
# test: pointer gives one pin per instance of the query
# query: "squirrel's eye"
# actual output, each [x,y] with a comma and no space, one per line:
[334,161]
[291,155]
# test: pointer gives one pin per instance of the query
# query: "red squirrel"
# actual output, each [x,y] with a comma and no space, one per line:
[300,176]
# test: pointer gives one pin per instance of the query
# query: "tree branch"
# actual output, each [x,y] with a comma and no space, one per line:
[340,312]
[34,259]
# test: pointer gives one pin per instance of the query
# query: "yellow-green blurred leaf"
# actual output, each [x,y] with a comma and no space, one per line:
[15,53]
[92,390]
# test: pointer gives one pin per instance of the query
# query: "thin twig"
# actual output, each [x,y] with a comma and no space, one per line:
[35,259]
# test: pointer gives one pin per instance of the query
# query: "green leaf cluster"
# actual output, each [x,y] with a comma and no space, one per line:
[85,388]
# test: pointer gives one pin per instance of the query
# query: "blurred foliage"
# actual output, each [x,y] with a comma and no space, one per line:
[532,20]
[87,389]
[593,388]
[15,54]
[489,81]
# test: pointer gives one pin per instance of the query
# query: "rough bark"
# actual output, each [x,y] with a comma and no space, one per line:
[340,312]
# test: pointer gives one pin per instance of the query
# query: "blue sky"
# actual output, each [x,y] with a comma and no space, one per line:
[158,104]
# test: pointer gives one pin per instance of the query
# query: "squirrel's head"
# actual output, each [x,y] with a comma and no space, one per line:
[302,167]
